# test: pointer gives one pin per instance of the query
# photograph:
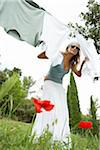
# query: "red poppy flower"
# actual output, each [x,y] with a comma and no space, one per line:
[85,124]
[39,104]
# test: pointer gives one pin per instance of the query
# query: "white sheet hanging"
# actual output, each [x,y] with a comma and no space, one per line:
[89,50]
[56,36]
[16,53]
[54,33]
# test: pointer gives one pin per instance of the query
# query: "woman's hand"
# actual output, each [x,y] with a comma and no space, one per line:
[79,72]
[86,59]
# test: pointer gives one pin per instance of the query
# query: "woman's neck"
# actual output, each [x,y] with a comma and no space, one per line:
[67,60]
[68,56]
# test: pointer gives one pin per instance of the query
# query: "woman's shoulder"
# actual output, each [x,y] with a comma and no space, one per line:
[58,59]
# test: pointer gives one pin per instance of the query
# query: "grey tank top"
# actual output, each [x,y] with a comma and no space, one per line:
[57,72]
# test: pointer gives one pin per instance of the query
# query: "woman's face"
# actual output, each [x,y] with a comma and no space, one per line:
[73,49]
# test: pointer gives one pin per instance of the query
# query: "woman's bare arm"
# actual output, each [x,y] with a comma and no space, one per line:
[78,72]
[42,55]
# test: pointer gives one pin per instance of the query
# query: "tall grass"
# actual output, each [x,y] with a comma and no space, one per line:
[15,135]
[7,85]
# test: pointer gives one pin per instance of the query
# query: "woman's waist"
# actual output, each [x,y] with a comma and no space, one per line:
[54,79]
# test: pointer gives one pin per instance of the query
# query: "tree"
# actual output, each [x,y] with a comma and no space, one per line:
[13,90]
[73,102]
[93,108]
[3,77]
[91,27]
[93,112]
[28,82]
[7,85]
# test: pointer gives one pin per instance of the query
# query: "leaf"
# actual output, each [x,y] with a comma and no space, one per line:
[8,85]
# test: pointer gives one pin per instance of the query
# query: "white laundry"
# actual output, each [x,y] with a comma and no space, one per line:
[89,50]
[53,34]
[15,53]
[25,23]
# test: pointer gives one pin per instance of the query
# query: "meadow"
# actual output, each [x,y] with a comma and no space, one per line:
[16,135]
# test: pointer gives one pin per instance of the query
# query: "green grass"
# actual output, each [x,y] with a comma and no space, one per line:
[15,135]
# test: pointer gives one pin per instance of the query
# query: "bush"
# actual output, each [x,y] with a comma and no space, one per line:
[95,125]
[25,112]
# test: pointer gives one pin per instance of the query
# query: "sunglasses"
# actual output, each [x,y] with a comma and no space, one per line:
[73,46]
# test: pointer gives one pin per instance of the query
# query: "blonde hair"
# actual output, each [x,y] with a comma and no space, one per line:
[76,58]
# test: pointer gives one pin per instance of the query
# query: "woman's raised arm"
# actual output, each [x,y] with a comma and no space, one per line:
[42,55]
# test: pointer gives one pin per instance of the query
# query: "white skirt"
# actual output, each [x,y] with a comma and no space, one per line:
[57,120]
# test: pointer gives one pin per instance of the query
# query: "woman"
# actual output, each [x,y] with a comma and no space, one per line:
[57,120]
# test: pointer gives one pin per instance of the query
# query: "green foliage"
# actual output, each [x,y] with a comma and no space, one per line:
[7,85]
[93,117]
[28,82]
[24,112]
[73,103]
[86,117]
[92,22]
[93,110]
[3,77]
[91,19]
[96,127]
[13,92]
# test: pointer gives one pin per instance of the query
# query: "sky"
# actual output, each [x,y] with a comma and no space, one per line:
[65,11]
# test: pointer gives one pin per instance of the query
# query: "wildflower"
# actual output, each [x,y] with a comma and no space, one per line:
[85,124]
[39,104]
